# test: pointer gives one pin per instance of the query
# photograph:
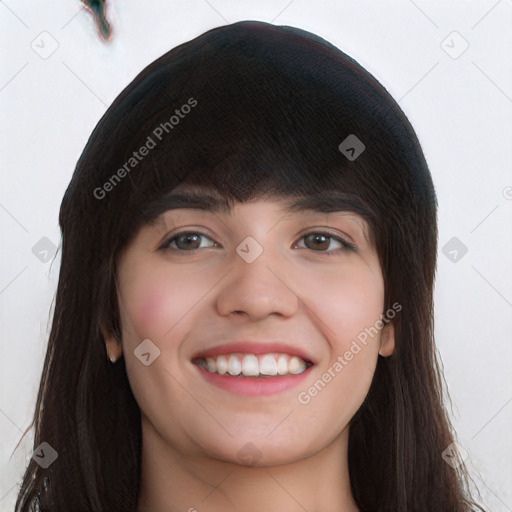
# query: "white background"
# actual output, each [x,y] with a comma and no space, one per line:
[461,109]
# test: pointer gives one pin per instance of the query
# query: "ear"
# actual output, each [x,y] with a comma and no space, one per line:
[387,340]
[113,345]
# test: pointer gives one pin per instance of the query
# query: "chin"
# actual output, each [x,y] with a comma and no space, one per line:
[259,450]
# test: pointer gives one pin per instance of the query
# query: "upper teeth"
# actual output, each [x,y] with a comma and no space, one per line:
[250,365]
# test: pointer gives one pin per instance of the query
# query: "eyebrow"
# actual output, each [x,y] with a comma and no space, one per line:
[187,199]
[326,203]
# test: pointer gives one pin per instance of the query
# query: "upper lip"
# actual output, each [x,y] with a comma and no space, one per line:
[254,347]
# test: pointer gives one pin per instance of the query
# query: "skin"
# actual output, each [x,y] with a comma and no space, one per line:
[295,292]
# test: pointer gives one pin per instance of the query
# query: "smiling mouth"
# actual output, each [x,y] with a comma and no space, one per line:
[252,365]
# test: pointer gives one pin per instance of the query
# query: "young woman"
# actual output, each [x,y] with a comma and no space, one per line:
[244,314]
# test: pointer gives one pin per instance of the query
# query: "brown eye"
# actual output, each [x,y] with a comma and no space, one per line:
[186,241]
[189,241]
[320,242]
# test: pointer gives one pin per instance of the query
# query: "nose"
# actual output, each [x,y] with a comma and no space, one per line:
[257,289]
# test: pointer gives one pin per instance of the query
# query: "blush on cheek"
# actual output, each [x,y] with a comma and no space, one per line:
[148,314]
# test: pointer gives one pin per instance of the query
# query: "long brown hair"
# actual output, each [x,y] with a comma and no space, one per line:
[248,109]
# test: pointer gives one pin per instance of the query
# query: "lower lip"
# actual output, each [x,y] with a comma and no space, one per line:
[254,386]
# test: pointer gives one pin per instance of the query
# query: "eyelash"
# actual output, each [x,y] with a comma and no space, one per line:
[335,252]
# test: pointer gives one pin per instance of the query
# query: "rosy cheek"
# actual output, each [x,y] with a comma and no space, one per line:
[149,313]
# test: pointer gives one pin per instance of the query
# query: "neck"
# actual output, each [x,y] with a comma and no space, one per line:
[172,481]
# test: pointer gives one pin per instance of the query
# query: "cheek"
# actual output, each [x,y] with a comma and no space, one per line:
[347,303]
[148,310]
[156,300]
[150,304]
[347,308]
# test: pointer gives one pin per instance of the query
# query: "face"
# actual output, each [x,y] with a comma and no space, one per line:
[292,301]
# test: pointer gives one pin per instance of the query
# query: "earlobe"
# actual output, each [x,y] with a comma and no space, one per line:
[113,346]
[387,340]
